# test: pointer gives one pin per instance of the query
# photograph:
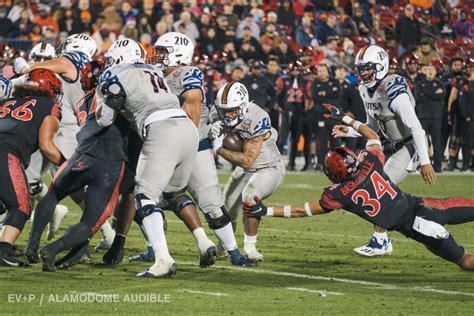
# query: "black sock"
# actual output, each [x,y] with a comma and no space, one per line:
[5,247]
[73,236]
[43,213]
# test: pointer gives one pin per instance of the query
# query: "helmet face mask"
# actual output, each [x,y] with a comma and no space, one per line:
[232,103]
[173,49]
[372,65]
[161,56]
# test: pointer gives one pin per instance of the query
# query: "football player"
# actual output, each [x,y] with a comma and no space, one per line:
[260,169]
[361,186]
[98,163]
[170,139]
[390,108]
[38,164]
[174,55]
[72,54]
[28,121]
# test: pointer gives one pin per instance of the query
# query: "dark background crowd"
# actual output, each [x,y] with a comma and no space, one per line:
[291,55]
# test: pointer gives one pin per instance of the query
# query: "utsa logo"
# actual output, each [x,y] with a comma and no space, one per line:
[373,106]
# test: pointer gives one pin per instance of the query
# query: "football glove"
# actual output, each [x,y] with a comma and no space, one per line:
[216,130]
[255,210]
[335,113]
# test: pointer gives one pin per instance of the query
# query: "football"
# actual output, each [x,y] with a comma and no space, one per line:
[233,142]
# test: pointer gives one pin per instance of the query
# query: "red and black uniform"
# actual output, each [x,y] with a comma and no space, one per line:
[457,82]
[372,196]
[20,122]
[466,113]
[292,97]
[98,163]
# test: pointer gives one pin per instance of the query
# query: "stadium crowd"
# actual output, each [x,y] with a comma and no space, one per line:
[292,56]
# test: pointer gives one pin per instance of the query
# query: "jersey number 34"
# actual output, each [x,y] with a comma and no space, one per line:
[381,187]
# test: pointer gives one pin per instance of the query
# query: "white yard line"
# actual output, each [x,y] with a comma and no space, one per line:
[320,292]
[369,284]
[202,292]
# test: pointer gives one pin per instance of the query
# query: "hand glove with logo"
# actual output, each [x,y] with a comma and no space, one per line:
[255,210]
[336,114]
[215,131]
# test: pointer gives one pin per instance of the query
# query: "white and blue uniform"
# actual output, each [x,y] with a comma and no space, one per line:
[267,172]
[203,183]
[391,110]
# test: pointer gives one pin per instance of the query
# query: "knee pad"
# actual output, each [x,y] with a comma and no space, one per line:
[145,207]
[177,201]
[217,219]
[16,218]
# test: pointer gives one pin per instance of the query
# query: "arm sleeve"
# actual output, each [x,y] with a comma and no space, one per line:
[401,105]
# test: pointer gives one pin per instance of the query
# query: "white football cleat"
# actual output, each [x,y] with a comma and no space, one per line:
[160,269]
[373,248]
[107,240]
[59,213]
[252,253]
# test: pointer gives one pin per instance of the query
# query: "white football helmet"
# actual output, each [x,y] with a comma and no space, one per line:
[41,52]
[125,51]
[372,65]
[173,49]
[231,97]
[78,42]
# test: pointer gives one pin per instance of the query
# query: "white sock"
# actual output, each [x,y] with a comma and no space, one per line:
[153,226]
[106,228]
[380,237]
[250,240]
[200,236]
[226,237]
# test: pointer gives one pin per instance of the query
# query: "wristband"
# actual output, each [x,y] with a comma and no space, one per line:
[287,211]
[269,211]
[307,209]
[347,120]
[372,142]
[356,125]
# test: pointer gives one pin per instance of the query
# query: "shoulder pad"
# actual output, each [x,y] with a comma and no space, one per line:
[193,78]
[79,59]
[395,86]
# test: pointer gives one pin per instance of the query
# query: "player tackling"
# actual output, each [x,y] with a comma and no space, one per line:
[361,186]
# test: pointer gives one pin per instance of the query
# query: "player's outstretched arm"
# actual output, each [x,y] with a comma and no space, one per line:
[48,147]
[258,209]
[245,159]
[59,65]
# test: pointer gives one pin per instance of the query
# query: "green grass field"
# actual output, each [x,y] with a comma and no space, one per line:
[309,269]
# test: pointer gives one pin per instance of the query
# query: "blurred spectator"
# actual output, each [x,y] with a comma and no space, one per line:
[150,12]
[44,19]
[327,29]
[445,27]
[191,29]
[248,47]
[166,9]
[49,35]
[463,27]
[299,7]
[427,28]
[208,6]
[127,12]
[237,74]
[260,90]
[222,32]
[305,32]
[324,90]
[22,26]
[228,12]
[240,7]
[411,64]
[229,49]
[292,98]
[256,11]
[169,20]
[17,9]
[112,20]
[130,29]
[208,43]
[36,34]
[351,102]
[249,22]
[85,24]
[324,5]
[331,56]
[272,18]
[285,55]
[143,26]
[429,96]
[426,52]
[286,14]
[440,8]
[145,40]
[271,75]
[67,22]
[363,26]
[271,34]
[466,111]
[204,24]
[407,30]
[346,26]
[5,23]
[267,50]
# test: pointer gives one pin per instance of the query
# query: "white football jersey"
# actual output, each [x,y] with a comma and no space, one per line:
[377,105]
[145,88]
[186,78]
